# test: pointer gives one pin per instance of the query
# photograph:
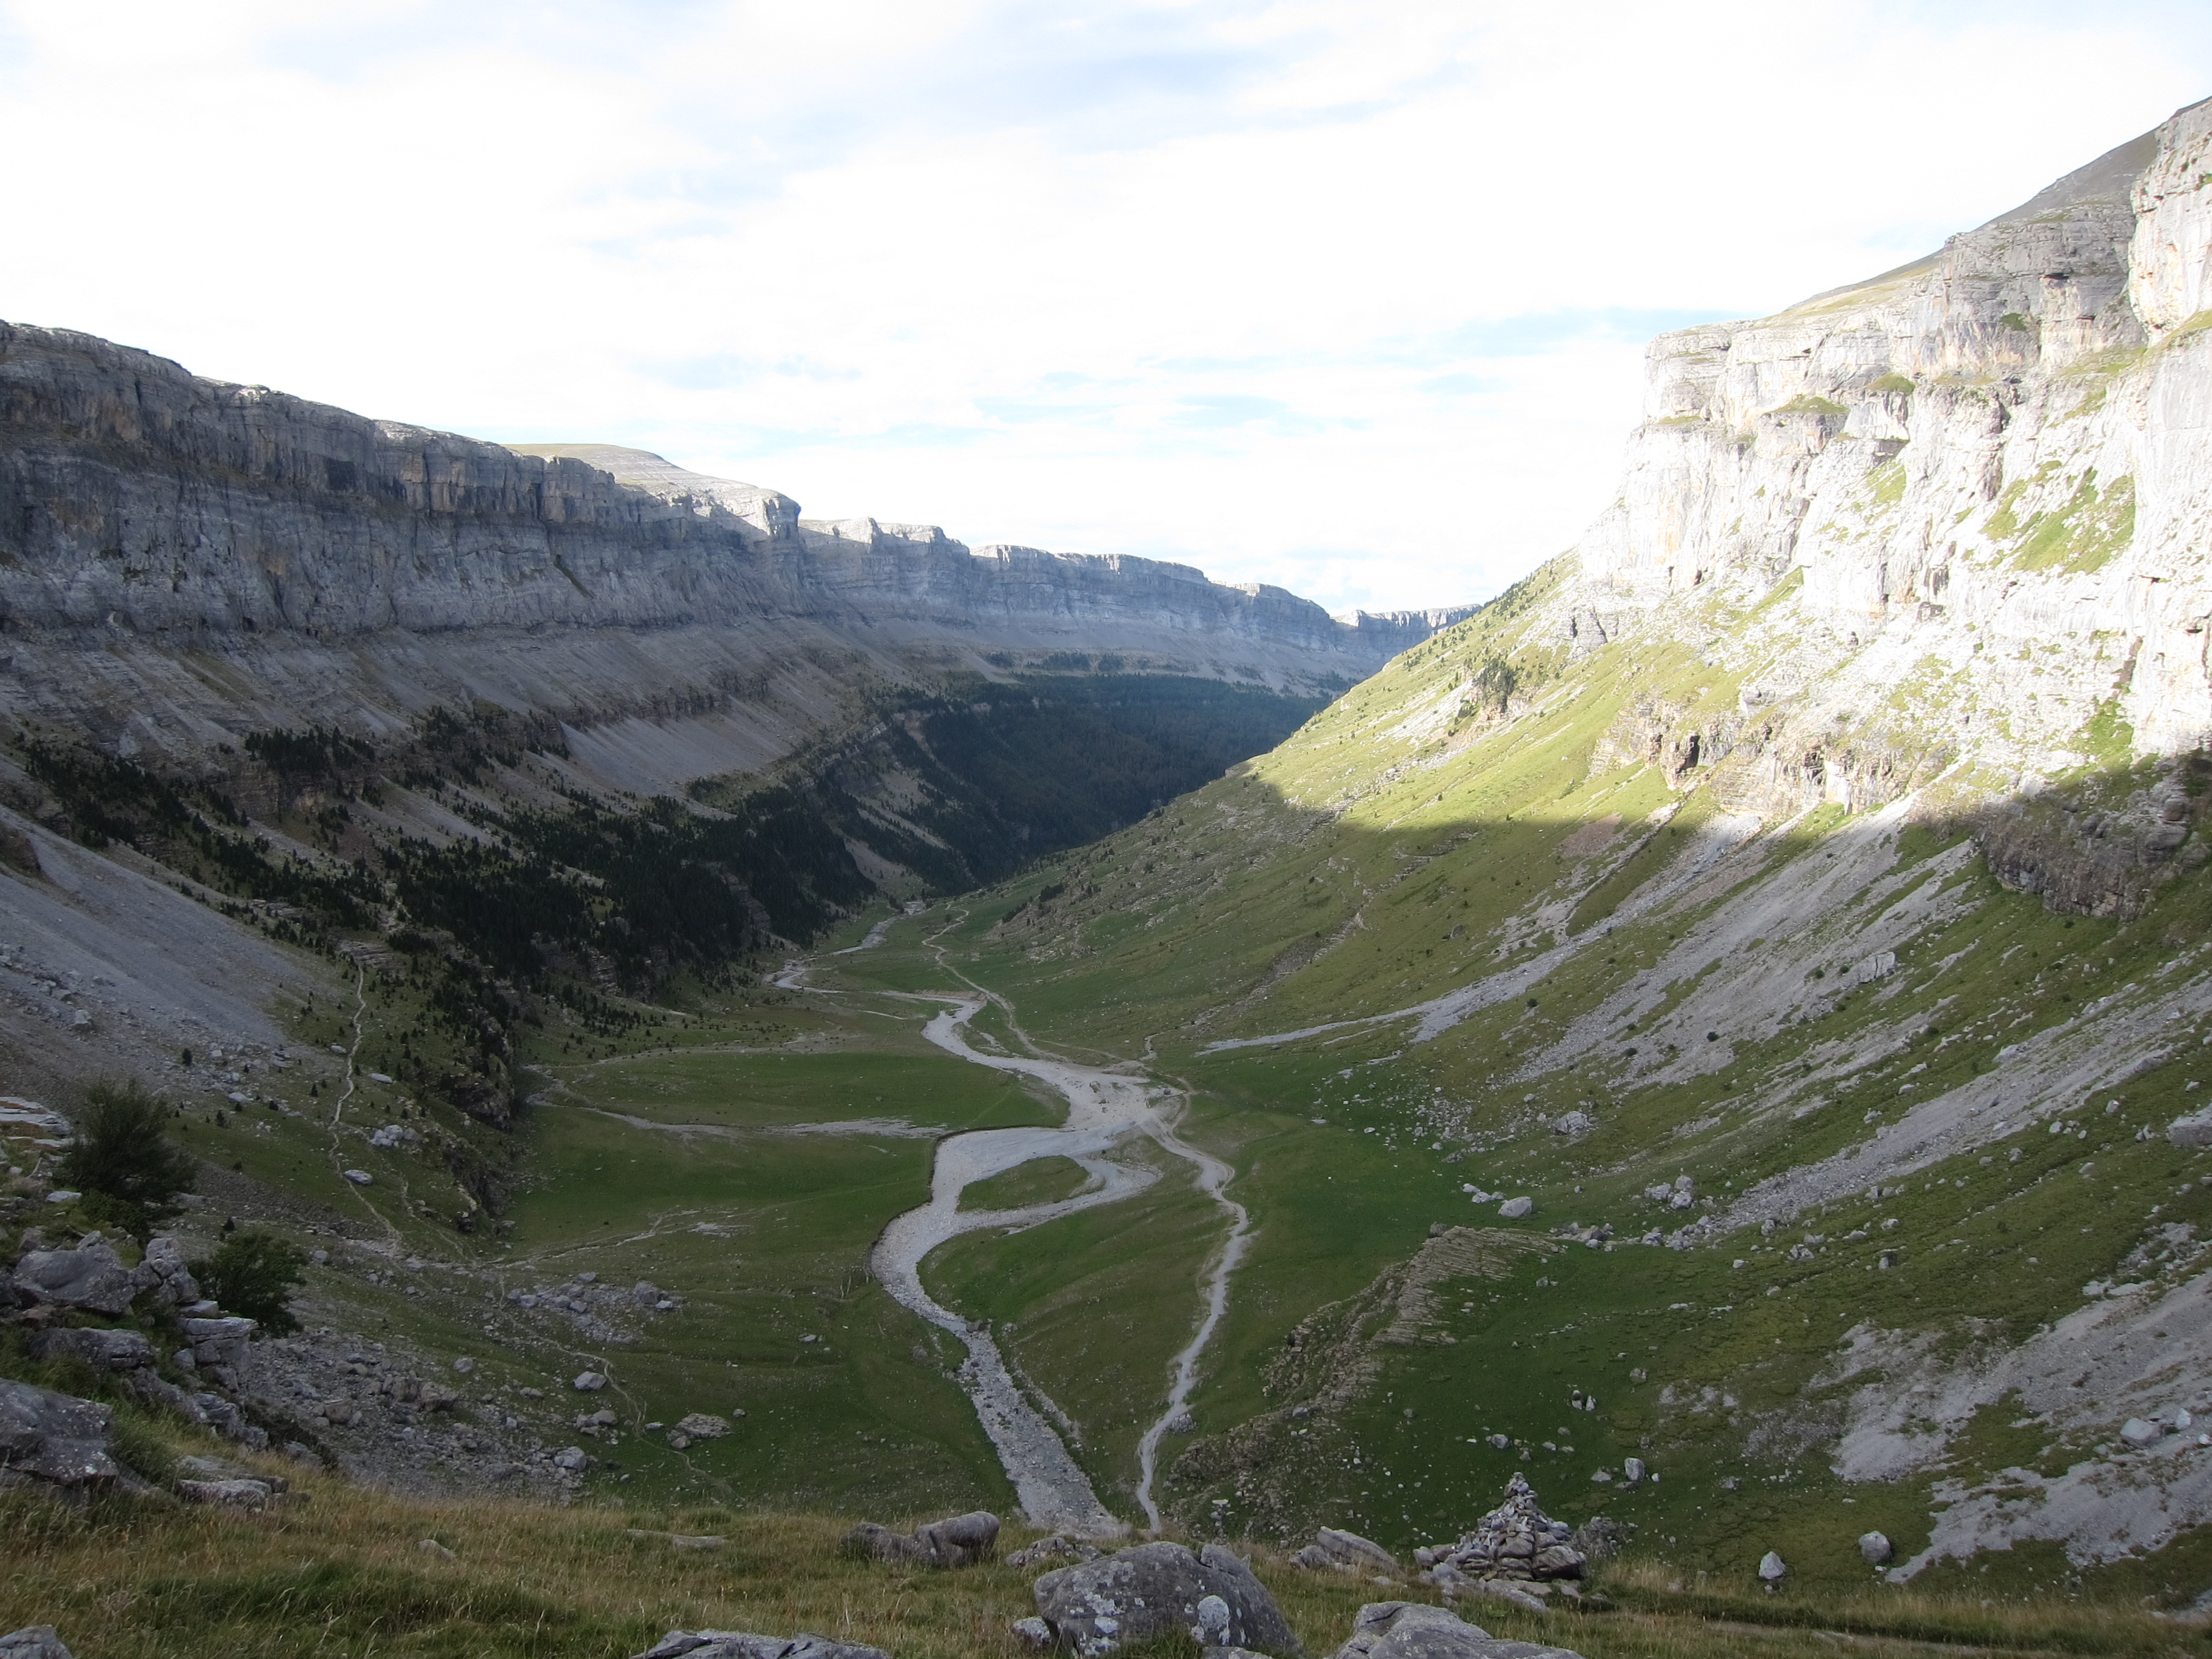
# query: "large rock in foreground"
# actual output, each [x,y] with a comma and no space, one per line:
[741,1645]
[1162,1590]
[1414,1630]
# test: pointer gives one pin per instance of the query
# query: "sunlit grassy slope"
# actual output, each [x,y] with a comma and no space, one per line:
[1732,981]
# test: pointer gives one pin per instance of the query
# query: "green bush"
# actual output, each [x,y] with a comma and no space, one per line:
[255,1274]
[123,1159]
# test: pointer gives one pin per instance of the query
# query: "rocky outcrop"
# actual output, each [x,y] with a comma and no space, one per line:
[2000,445]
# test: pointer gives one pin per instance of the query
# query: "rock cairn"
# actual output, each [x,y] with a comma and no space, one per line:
[1517,1549]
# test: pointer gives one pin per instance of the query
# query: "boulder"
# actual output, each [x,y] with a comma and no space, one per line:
[1414,1630]
[959,1540]
[739,1644]
[589,1381]
[91,1276]
[1875,1548]
[1344,1551]
[1513,1208]
[102,1350]
[2193,1131]
[53,1442]
[33,1642]
[703,1426]
[1154,1590]
[162,1273]
[1772,1568]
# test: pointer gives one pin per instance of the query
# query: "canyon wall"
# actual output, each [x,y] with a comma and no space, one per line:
[182,559]
[1973,496]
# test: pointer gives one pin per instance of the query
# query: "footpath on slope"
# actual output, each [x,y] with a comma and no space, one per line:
[1105,1107]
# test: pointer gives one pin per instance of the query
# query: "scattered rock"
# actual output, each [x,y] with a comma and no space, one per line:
[1875,1548]
[359,1177]
[1513,1208]
[229,1494]
[102,1350]
[53,1442]
[1600,1538]
[2138,1433]
[1632,1469]
[571,1458]
[589,1381]
[1345,1552]
[701,1425]
[1574,1123]
[696,1541]
[222,1468]
[1414,1630]
[1153,1590]
[1057,1547]
[91,1276]
[958,1541]
[33,1642]
[1772,1568]
[738,1644]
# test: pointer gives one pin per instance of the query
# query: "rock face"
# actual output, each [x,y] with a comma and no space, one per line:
[1994,461]
[1162,1590]
[347,568]
[1413,1630]
[960,1541]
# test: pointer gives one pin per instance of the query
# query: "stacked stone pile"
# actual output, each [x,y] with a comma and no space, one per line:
[1516,1544]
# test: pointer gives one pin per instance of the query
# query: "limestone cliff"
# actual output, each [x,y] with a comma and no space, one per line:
[1992,466]
[339,568]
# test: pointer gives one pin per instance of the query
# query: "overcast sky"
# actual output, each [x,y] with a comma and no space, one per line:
[1348,295]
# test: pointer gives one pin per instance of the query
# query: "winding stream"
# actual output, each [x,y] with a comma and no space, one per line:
[1104,1107]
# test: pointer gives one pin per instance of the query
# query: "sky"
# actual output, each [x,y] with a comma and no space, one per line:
[1350,296]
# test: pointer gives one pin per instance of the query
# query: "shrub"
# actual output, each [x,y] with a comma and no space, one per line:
[255,1274]
[123,1159]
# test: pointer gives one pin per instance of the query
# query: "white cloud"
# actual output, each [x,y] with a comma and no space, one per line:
[1346,297]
